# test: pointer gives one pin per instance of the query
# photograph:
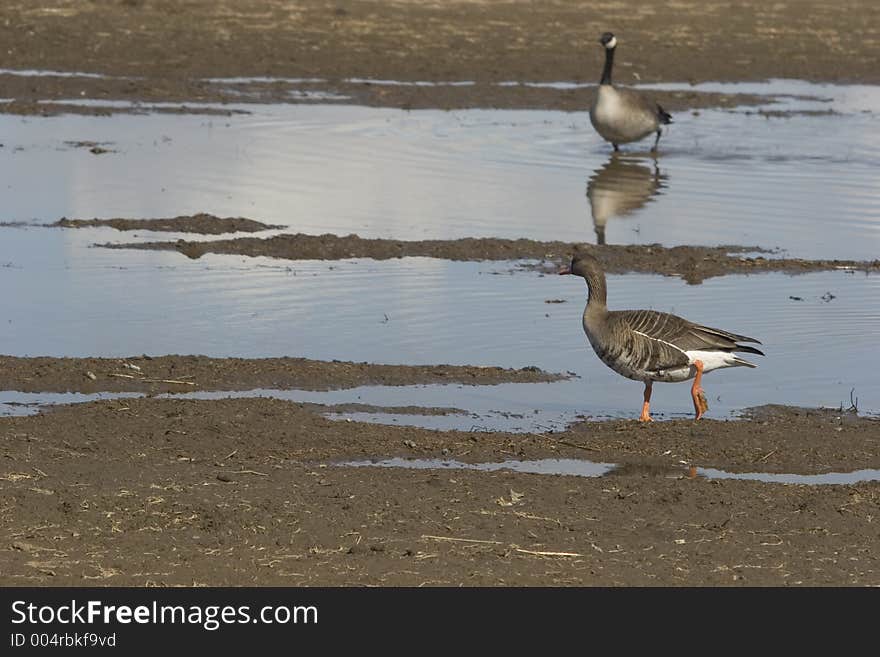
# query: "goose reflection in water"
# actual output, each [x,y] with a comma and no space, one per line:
[620,187]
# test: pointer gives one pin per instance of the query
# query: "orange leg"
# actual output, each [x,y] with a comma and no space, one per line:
[700,403]
[645,416]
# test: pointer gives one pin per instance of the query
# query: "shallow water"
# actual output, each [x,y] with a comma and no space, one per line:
[16,403]
[583,468]
[420,310]
[806,183]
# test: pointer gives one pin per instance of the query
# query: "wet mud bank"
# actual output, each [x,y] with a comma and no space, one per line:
[694,264]
[176,51]
[203,224]
[155,491]
[422,40]
[46,96]
[158,374]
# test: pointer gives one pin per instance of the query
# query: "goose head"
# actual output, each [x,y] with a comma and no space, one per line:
[588,268]
[585,266]
[609,41]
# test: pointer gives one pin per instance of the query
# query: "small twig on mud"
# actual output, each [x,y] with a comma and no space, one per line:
[138,378]
[541,553]
[767,455]
[585,447]
[230,455]
[534,517]
[251,472]
[460,540]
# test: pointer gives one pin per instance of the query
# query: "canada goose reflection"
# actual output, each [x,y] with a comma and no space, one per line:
[620,187]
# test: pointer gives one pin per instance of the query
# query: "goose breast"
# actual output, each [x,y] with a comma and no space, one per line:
[621,116]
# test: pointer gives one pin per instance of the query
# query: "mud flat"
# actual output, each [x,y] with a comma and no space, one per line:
[246,491]
[186,373]
[172,491]
[692,263]
[203,224]
[162,51]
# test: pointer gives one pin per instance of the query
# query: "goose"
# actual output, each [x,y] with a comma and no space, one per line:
[619,188]
[649,346]
[619,115]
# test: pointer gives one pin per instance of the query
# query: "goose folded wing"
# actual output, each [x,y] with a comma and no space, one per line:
[686,335]
[641,349]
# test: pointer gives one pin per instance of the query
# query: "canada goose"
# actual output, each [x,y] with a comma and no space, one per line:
[648,346]
[619,188]
[622,115]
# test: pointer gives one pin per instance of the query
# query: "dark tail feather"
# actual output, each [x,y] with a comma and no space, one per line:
[664,116]
[733,337]
[748,350]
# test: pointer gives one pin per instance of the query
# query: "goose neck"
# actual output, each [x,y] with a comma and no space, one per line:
[609,64]
[597,302]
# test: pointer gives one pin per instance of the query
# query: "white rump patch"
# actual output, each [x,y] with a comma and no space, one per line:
[712,360]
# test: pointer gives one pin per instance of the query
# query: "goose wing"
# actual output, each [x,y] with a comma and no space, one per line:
[643,103]
[641,350]
[661,340]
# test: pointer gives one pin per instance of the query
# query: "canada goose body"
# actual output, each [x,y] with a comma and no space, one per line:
[619,115]
[649,346]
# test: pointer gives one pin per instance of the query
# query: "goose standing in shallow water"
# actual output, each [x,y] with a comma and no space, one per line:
[648,346]
[623,115]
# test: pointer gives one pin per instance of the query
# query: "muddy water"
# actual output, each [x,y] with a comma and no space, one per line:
[584,468]
[806,182]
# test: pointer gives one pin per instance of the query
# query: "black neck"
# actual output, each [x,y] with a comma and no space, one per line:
[609,62]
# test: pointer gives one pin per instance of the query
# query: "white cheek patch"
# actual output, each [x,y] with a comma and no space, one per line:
[611,44]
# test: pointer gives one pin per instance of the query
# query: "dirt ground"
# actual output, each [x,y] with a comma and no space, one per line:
[239,492]
[158,374]
[165,491]
[203,224]
[164,49]
[694,264]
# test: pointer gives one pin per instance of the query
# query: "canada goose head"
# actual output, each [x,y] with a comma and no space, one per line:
[609,41]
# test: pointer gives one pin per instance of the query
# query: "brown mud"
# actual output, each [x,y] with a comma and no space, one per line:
[243,492]
[158,374]
[163,50]
[694,264]
[48,96]
[239,491]
[203,224]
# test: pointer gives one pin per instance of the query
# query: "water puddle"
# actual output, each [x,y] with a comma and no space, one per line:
[808,183]
[383,402]
[15,403]
[573,467]
[34,73]
[792,95]
[583,468]
[508,407]
[818,330]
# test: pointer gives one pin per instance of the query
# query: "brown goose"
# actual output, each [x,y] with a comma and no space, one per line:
[646,345]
